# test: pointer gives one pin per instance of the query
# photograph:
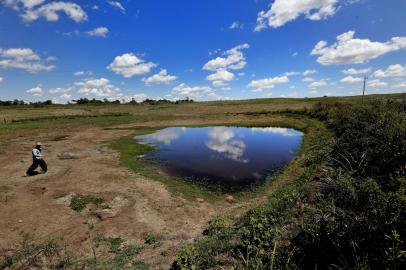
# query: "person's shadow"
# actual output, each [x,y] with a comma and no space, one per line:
[33,173]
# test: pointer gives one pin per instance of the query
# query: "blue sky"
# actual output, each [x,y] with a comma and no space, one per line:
[203,49]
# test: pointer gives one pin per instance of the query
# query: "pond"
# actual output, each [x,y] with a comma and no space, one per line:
[228,158]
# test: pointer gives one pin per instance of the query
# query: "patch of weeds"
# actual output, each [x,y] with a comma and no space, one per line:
[79,202]
[109,253]
[152,240]
[114,244]
[30,255]
[141,265]
[200,255]
[124,256]
[215,227]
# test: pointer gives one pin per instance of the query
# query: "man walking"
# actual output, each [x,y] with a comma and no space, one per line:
[37,161]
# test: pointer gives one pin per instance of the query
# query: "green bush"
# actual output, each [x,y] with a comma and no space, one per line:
[362,197]
[216,227]
[370,140]
[198,256]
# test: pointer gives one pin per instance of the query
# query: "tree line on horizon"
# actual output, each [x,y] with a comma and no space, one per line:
[86,101]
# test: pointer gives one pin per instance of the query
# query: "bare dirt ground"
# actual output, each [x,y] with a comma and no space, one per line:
[39,205]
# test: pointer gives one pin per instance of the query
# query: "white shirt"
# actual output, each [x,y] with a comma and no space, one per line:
[36,153]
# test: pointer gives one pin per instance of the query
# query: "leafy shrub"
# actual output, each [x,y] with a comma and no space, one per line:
[362,198]
[197,256]
[201,254]
[216,227]
[351,223]
[371,139]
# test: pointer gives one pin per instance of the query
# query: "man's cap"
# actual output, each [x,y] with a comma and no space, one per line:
[38,144]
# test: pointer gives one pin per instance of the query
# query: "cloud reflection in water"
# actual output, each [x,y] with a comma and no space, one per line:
[221,142]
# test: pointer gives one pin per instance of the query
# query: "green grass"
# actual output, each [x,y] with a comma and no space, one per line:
[152,240]
[79,202]
[108,253]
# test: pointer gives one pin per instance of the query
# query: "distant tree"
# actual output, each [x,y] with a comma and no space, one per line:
[133,102]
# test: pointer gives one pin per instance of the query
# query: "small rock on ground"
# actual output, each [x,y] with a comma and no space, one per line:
[230,199]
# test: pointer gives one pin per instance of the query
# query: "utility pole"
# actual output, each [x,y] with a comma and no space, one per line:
[363,90]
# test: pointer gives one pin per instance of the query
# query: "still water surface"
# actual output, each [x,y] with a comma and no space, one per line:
[229,158]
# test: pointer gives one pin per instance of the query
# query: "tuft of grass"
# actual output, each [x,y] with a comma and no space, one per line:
[124,255]
[152,240]
[79,202]
[114,243]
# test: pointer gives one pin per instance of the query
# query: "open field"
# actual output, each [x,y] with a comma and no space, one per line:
[145,113]
[90,153]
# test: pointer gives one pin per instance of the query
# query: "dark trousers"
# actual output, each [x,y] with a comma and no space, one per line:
[34,166]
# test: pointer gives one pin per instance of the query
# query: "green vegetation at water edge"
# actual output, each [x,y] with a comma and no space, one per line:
[346,210]
[132,156]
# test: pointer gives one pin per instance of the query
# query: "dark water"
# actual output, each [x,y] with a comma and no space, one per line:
[229,158]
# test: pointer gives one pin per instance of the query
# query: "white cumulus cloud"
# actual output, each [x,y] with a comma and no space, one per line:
[16,4]
[36,91]
[98,87]
[129,65]
[82,73]
[309,72]
[317,84]
[291,73]
[99,32]
[117,5]
[65,96]
[192,91]
[59,90]
[308,79]
[32,10]
[392,71]
[233,59]
[377,83]
[351,79]
[268,83]
[236,25]
[353,71]
[23,58]
[160,78]
[350,50]
[284,11]
[400,85]
[221,76]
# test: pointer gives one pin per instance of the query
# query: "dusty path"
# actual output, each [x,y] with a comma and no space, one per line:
[39,205]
